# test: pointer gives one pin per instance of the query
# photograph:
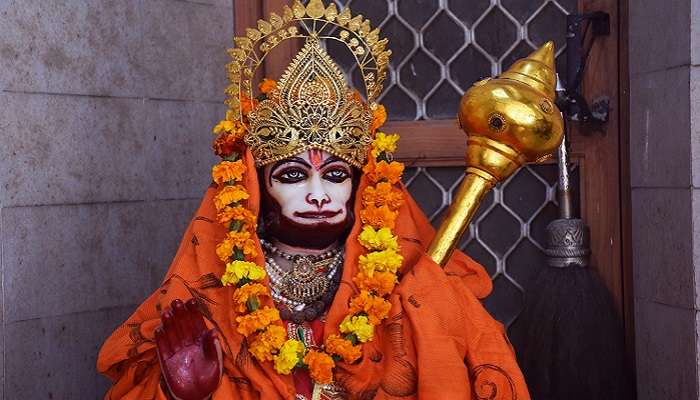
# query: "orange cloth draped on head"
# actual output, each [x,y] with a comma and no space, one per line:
[438,342]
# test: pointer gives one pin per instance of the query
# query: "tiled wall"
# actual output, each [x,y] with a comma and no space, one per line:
[665,174]
[105,111]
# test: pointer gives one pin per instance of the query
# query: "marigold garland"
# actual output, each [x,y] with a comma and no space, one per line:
[380,283]
[265,345]
[343,348]
[320,365]
[289,356]
[376,278]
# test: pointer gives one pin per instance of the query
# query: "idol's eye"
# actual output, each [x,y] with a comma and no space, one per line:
[336,175]
[290,175]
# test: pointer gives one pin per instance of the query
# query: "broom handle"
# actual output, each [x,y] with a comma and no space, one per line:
[565,203]
[564,196]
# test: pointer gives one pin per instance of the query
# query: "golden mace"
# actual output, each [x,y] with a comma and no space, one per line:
[509,121]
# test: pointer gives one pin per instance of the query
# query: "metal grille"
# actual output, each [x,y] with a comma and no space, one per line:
[507,235]
[441,47]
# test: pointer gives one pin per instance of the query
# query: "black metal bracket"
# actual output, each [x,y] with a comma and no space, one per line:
[581,32]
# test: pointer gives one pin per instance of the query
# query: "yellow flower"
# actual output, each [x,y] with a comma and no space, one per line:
[224,126]
[320,366]
[343,348]
[289,355]
[268,342]
[227,171]
[232,128]
[384,143]
[382,261]
[375,307]
[237,270]
[246,292]
[359,326]
[381,239]
[228,195]
[257,320]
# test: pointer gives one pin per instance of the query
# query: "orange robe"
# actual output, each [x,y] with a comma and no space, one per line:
[438,342]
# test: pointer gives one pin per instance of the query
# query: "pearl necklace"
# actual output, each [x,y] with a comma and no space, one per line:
[303,293]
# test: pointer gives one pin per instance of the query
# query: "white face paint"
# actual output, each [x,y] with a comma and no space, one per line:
[312,187]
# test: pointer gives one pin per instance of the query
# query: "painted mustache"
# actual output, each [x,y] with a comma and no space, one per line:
[317,214]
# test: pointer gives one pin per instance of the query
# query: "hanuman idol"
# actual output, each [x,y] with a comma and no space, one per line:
[308,271]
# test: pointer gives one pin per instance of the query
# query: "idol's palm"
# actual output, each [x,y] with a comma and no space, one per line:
[189,353]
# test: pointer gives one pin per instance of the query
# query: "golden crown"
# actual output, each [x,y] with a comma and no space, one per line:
[312,107]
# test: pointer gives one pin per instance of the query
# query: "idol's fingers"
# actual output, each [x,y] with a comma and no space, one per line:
[164,348]
[182,323]
[209,344]
[170,330]
[199,327]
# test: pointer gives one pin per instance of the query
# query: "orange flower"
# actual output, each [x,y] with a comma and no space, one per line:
[383,194]
[247,218]
[320,366]
[247,104]
[225,250]
[229,195]
[267,86]
[268,342]
[245,292]
[227,171]
[343,348]
[242,241]
[357,96]
[381,283]
[375,307]
[230,126]
[257,320]
[391,172]
[378,217]
[227,144]
[379,118]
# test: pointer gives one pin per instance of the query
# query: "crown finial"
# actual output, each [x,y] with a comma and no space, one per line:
[536,70]
[319,22]
[312,108]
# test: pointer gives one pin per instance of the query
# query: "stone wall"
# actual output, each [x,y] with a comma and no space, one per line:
[105,111]
[665,172]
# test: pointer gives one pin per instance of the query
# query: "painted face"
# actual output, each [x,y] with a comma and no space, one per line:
[311,188]
[308,199]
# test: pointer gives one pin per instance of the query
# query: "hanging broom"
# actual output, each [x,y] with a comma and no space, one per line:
[569,339]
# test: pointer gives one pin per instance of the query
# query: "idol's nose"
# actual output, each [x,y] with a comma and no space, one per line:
[317,195]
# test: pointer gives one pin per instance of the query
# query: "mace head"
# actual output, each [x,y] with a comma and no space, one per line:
[516,109]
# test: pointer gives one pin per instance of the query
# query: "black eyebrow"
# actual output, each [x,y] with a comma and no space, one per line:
[298,160]
[330,160]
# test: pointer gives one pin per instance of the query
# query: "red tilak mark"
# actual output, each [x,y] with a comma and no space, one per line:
[316,158]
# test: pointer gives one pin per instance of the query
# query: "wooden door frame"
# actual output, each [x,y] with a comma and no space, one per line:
[603,157]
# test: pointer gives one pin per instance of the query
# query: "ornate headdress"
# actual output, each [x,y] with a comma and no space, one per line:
[312,106]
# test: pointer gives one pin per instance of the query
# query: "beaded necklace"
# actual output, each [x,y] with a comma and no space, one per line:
[304,292]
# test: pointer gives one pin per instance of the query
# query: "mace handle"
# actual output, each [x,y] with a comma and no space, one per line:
[461,212]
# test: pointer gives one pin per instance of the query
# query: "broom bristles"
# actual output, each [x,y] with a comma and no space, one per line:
[569,339]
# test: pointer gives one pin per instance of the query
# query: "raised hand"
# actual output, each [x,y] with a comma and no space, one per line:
[189,353]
